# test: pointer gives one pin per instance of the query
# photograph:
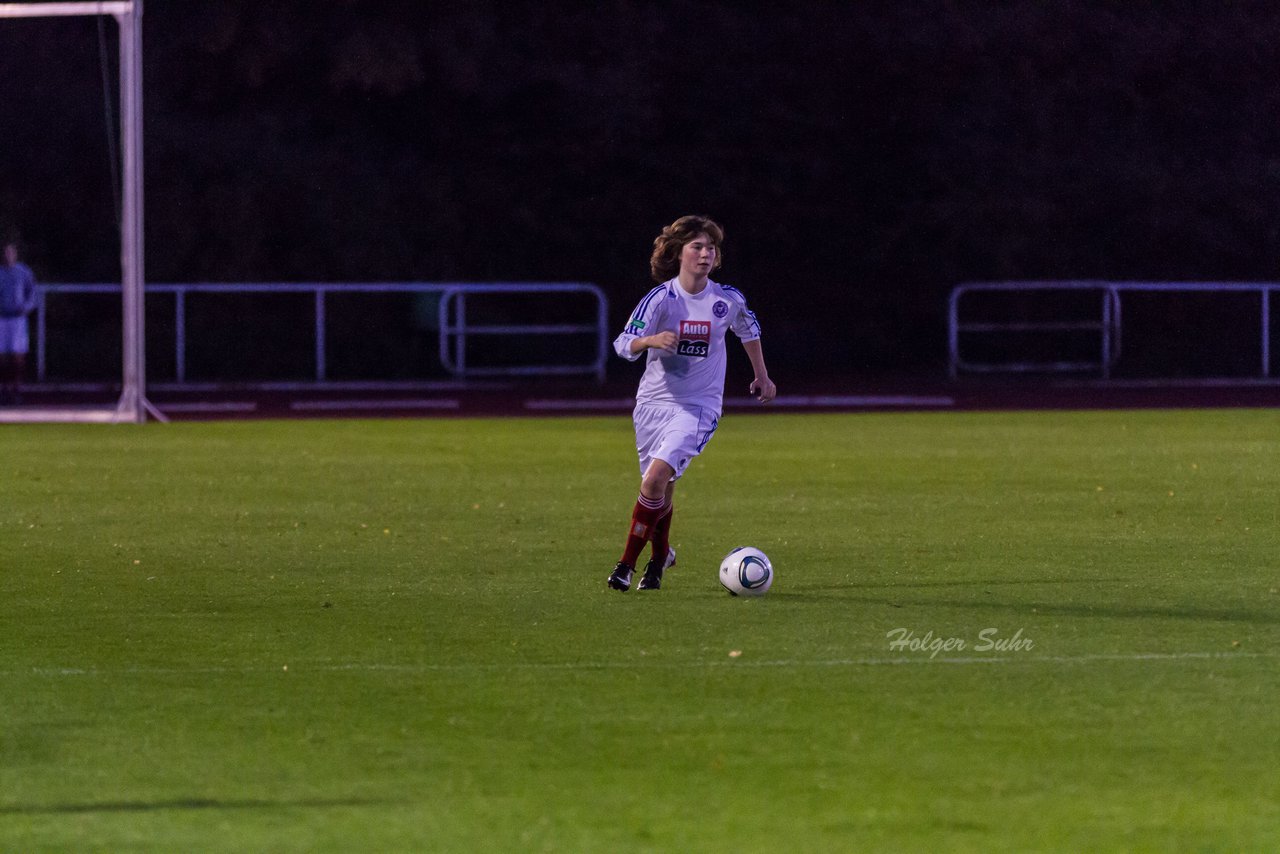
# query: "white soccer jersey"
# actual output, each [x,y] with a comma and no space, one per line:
[694,374]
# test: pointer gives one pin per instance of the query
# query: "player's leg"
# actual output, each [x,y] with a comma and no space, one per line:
[651,422]
[10,344]
[663,556]
[692,431]
[648,509]
[662,530]
[667,440]
[6,378]
[19,371]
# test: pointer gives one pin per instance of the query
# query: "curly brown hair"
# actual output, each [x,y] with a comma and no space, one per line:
[667,246]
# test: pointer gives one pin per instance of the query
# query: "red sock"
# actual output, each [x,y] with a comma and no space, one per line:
[643,518]
[662,536]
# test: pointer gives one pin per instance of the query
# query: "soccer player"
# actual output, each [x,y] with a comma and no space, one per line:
[680,328]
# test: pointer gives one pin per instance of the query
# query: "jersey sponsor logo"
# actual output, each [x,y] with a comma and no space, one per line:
[720,309]
[695,329]
[695,338]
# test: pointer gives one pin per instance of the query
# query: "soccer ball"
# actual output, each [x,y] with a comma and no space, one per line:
[746,571]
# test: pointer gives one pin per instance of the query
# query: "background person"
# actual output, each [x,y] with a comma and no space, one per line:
[17,300]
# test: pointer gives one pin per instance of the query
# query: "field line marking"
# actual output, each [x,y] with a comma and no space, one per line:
[854,401]
[921,659]
[210,406]
[372,405]
[822,401]
[546,405]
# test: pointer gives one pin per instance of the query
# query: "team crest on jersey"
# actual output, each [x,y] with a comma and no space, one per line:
[695,338]
[720,309]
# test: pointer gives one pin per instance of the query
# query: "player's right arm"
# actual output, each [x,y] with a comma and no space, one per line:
[638,335]
[664,341]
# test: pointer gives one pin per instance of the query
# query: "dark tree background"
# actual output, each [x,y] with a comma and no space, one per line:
[864,157]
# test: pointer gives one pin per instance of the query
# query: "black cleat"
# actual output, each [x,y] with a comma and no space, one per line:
[620,578]
[652,579]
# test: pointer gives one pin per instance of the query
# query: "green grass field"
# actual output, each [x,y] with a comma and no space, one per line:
[395,636]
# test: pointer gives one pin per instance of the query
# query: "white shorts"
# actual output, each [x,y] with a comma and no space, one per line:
[673,434]
[13,335]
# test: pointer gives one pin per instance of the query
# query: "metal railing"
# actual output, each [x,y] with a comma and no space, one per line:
[456,331]
[1108,324]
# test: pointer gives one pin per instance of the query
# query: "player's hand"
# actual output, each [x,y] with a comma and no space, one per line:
[664,341]
[764,389]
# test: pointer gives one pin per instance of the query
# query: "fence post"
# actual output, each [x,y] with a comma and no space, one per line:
[180,334]
[320,359]
[1106,333]
[461,361]
[40,325]
[1266,333]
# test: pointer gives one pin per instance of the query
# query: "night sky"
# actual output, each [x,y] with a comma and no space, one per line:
[863,157]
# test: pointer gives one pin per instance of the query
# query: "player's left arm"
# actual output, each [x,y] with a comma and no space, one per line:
[747,328]
[30,298]
[761,385]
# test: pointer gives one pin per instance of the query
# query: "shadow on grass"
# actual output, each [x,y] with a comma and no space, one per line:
[1051,609]
[969,582]
[187,804]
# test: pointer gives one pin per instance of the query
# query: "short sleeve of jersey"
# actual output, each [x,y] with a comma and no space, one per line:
[744,324]
[643,321]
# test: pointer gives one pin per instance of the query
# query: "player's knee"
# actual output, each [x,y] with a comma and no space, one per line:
[652,489]
[656,480]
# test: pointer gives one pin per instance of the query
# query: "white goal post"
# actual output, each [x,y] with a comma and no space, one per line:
[133,405]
